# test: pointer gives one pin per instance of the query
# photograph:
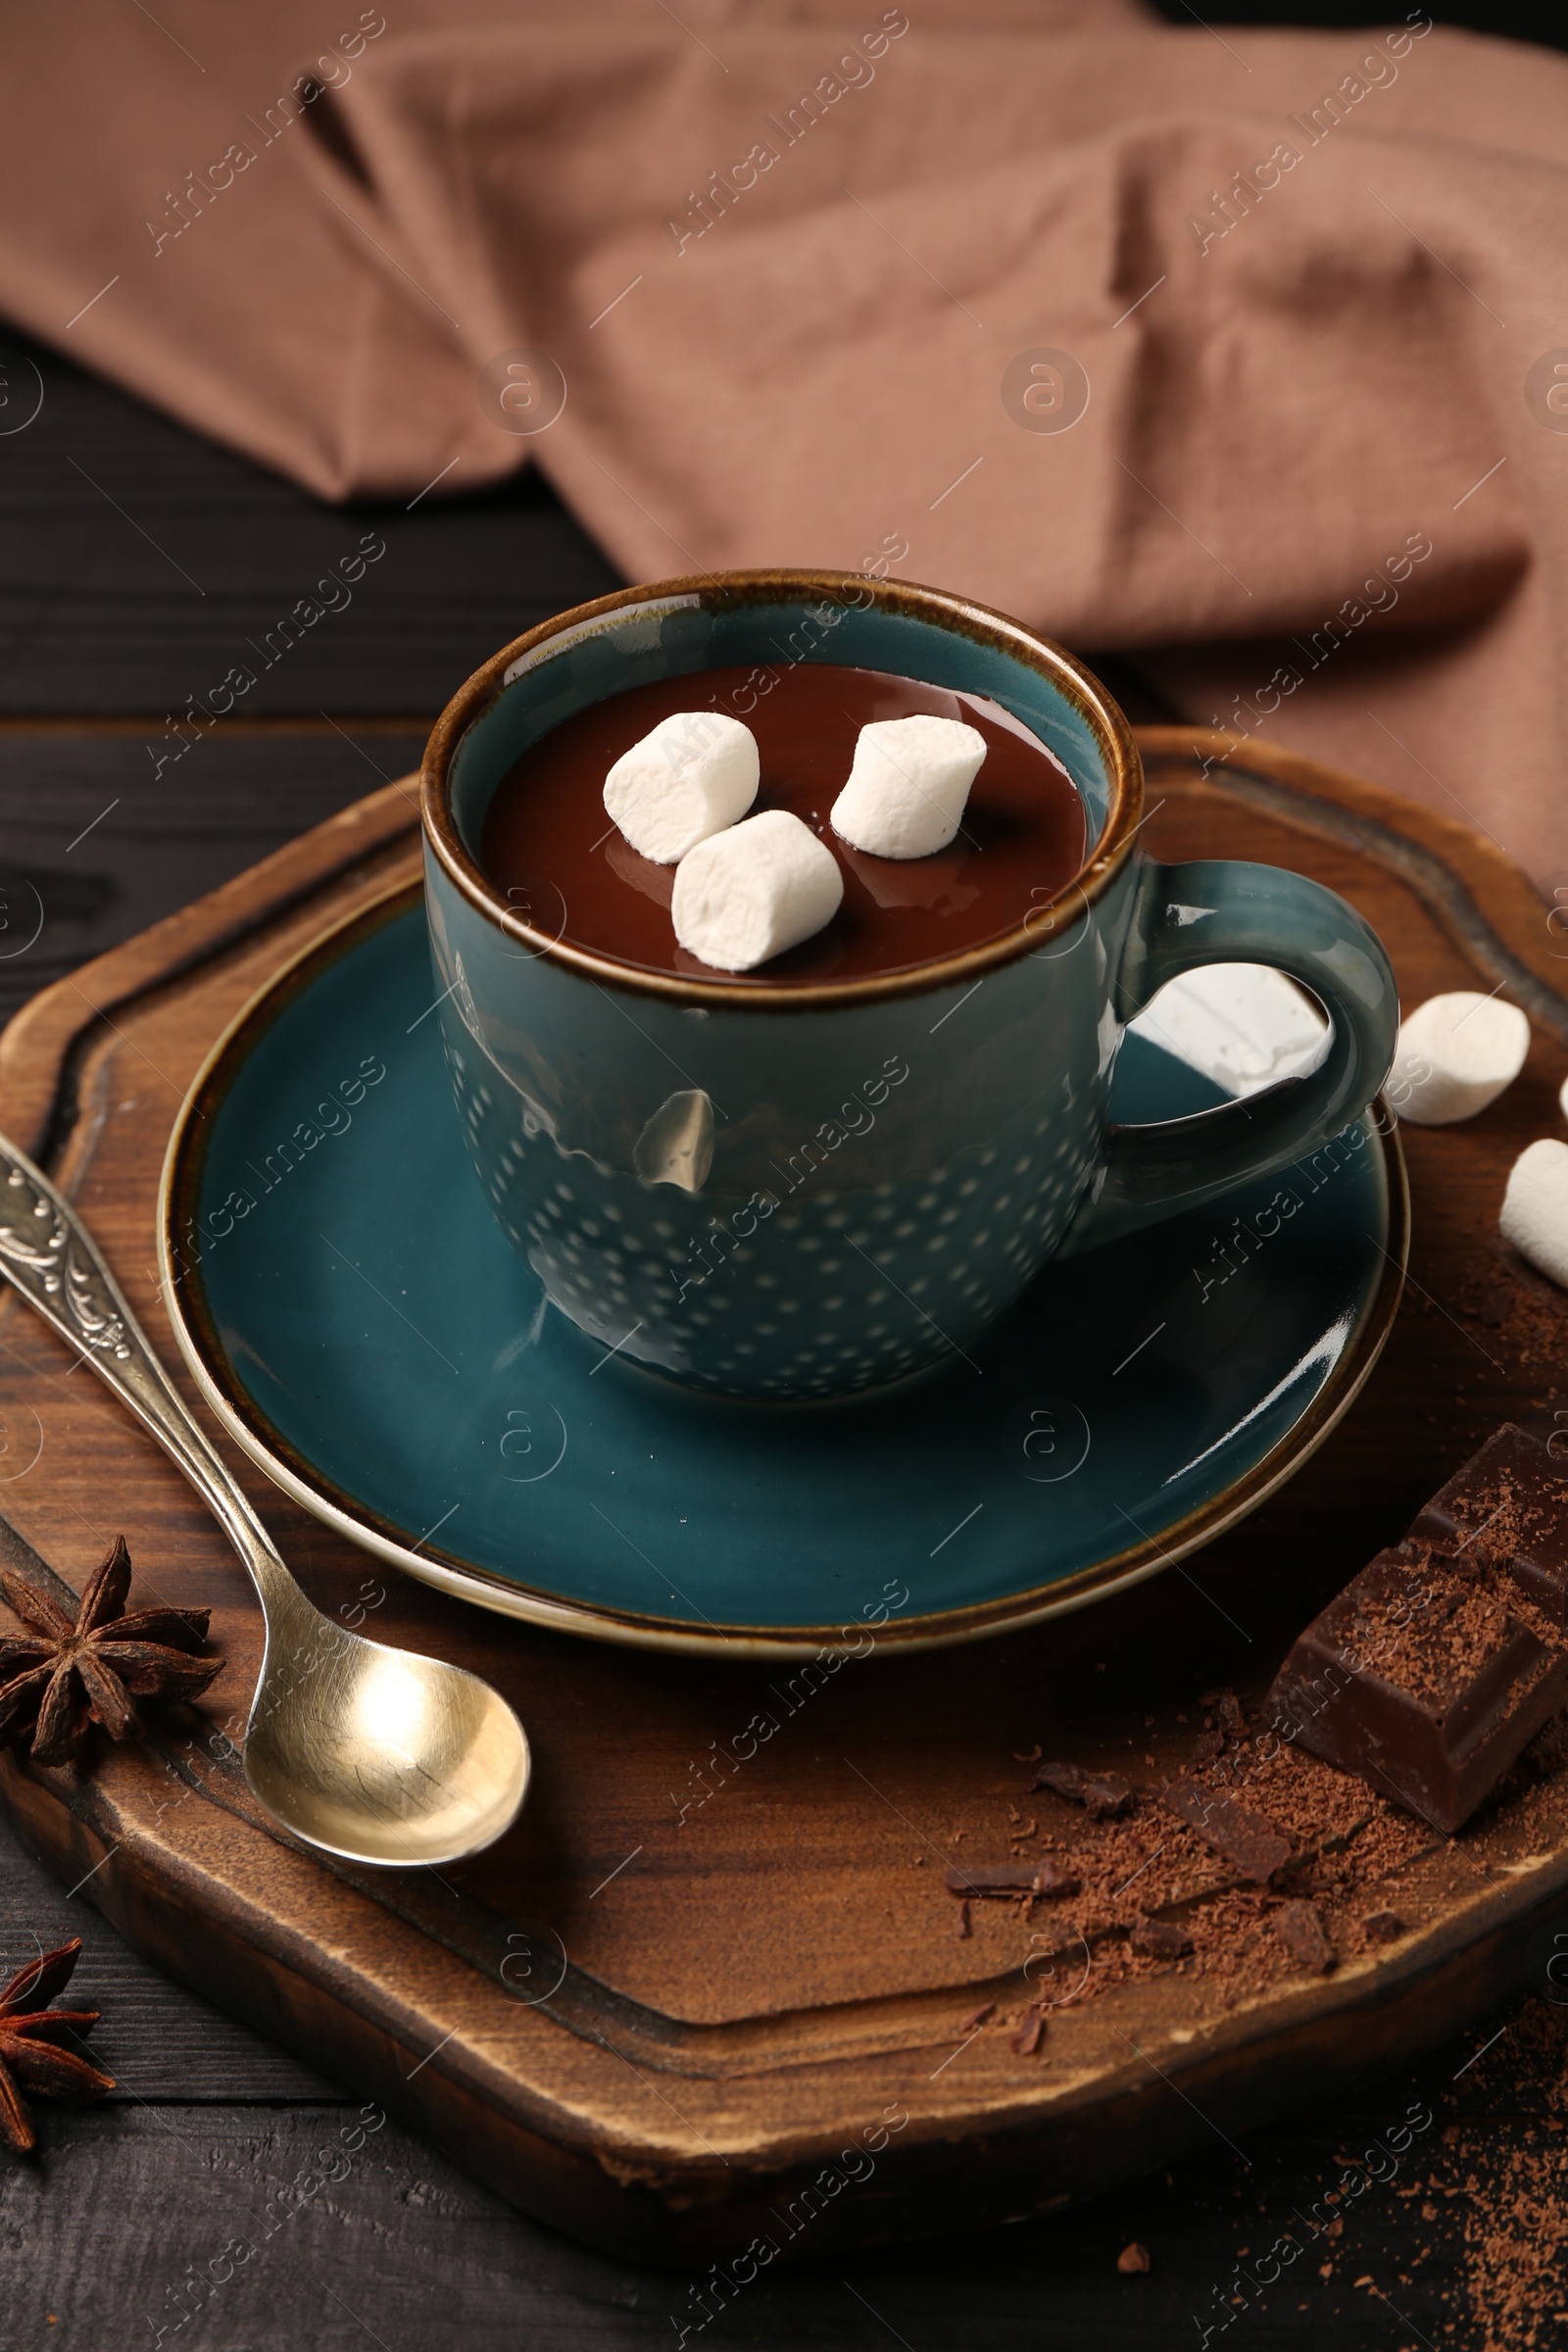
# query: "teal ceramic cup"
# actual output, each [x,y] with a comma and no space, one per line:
[794,1193]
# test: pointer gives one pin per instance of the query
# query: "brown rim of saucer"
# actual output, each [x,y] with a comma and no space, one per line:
[960,617]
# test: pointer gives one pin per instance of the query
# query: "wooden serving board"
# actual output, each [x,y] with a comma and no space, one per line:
[673,1997]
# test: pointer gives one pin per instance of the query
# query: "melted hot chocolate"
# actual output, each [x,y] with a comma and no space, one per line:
[551,848]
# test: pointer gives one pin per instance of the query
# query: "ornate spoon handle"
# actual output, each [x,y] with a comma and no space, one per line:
[51,1258]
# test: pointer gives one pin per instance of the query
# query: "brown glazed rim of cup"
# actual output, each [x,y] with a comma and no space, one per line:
[955,614]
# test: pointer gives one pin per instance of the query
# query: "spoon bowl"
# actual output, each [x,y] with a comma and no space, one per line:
[378,1754]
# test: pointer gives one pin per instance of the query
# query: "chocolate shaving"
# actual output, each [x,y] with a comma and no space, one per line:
[1011,1878]
[1244,1838]
[1157,1939]
[1030,2034]
[1300,1931]
[965,1929]
[1382,1926]
[1052,1879]
[1132,2260]
[977,2017]
[1103,1795]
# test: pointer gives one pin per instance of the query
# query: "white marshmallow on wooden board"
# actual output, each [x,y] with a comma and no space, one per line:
[907,785]
[1455,1053]
[688,778]
[747,893]
[1534,1207]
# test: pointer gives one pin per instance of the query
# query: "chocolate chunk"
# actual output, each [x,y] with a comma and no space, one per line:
[1132,2260]
[1030,2034]
[1102,1794]
[1300,1931]
[1157,1939]
[963,1929]
[1244,1838]
[1382,1926]
[1507,1508]
[1046,1877]
[1052,1879]
[1004,1878]
[1226,1709]
[1419,1678]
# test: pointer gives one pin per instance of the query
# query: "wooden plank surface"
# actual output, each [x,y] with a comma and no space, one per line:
[94,848]
[738,1996]
[139,565]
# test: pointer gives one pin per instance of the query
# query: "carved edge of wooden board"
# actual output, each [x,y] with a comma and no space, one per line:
[573,2143]
[656,2186]
[1483,901]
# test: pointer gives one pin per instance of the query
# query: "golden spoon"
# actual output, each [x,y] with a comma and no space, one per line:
[374,1753]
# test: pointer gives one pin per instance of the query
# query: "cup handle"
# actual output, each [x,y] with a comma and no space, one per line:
[1220,911]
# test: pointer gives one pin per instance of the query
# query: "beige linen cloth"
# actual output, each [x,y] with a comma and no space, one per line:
[1246,352]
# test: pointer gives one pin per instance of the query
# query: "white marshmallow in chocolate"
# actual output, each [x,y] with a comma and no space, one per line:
[688,778]
[1455,1053]
[750,893]
[1535,1209]
[909,782]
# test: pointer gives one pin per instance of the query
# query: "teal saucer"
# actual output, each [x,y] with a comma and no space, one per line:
[356,1318]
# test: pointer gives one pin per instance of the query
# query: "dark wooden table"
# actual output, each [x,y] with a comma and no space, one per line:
[136,563]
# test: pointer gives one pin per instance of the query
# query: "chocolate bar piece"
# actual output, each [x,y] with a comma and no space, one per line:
[1031,2031]
[1426,1676]
[1303,1934]
[1245,1839]
[1509,1507]
[1226,1709]
[1159,1940]
[1103,1794]
[1046,1877]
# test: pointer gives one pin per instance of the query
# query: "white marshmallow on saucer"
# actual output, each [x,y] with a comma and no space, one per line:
[1535,1209]
[747,893]
[1243,1025]
[909,782]
[688,778]
[1455,1053]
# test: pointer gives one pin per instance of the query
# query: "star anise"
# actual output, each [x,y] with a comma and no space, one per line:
[57,1678]
[32,2040]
